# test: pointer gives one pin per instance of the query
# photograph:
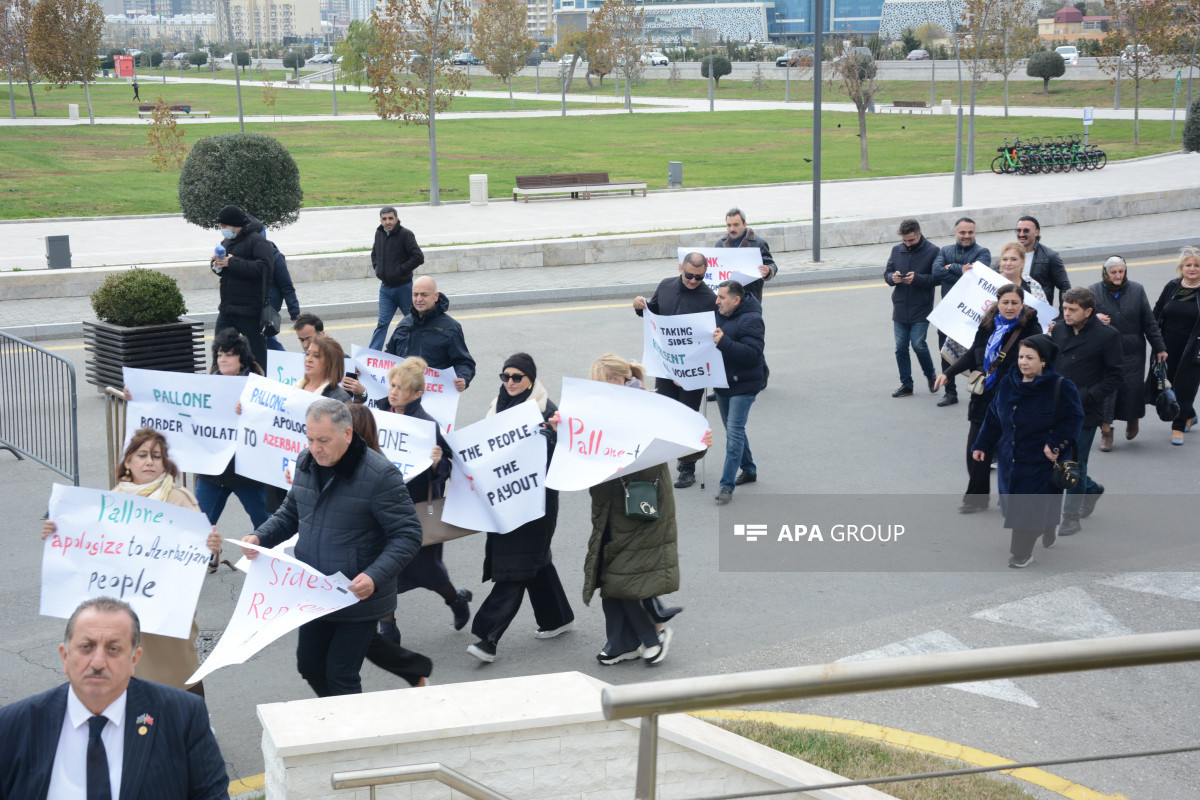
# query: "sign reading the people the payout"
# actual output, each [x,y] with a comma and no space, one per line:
[680,347]
[273,431]
[152,555]
[195,413]
[288,368]
[960,312]
[727,264]
[499,477]
[605,430]
[279,595]
[407,442]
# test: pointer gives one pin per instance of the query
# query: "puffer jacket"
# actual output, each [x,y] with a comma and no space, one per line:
[361,520]
[436,337]
[250,270]
[640,557]
[741,347]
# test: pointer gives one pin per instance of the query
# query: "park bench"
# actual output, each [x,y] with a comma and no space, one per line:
[147,110]
[576,184]
[907,107]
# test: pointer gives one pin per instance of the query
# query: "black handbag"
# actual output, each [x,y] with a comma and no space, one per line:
[641,499]
[1065,474]
[1165,401]
[269,319]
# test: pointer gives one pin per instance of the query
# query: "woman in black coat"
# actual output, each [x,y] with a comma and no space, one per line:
[406,384]
[1122,304]
[520,560]
[1035,418]
[993,353]
[1178,315]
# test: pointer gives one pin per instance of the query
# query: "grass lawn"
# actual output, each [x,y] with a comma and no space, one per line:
[854,758]
[1020,93]
[113,99]
[105,169]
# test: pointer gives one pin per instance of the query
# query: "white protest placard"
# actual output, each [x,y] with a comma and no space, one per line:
[407,442]
[727,264]
[195,413]
[279,595]
[959,313]
[373,367]
[499,478]
[440,400]
[152,555]
[288,368]
[680,347]
[273,432]
[606,429]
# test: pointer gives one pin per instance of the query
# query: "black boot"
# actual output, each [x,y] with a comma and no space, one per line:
[687,474]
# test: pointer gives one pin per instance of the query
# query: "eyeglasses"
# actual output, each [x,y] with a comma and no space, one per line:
[687,276]
[1024,230]
[515,377]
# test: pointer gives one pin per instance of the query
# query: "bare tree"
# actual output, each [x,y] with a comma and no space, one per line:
[500,38]
[1015,34]
[64,41]
[978,39]
[419,36]
[165,139]
[1138,45]
[619,31]
[856,77]
[574,44]
[16,16]
[1187,59]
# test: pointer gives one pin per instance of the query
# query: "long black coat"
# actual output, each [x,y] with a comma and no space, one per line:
[1048,270]
[1019,424]
[912,302]
[974,357]
[1093,360]
[246,282]
[1132,318]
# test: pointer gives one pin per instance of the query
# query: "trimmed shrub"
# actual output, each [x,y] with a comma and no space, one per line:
[149,60]
[248,170]
[197,58]
[139,297]
[721,68]
[1191,129]
[1046,65]
[293,61]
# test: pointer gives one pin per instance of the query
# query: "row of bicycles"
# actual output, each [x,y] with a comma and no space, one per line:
[1047,154]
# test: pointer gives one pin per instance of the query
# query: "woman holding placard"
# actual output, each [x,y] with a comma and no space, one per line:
[520,560]
[147,471]
[1012,268]
[324,363]
[406,384]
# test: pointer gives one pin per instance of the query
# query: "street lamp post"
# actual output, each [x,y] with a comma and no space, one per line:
[818,58]
[233,58]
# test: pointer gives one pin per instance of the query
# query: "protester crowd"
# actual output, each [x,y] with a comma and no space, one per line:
[1039,392]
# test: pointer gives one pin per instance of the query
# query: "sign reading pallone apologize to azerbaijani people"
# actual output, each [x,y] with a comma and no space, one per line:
[680,347]
[152,555]
[279,595]
[605,430]
[195,413]
[273,431]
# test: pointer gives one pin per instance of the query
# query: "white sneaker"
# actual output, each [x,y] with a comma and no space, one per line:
[541,634]
[656,655]
[607,660]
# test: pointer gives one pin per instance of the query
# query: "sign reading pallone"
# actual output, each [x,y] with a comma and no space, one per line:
[152,555]
[273,432]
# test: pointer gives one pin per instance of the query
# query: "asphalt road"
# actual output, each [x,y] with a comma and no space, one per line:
[826,425]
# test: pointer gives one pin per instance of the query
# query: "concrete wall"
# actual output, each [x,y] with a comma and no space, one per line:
[541,736]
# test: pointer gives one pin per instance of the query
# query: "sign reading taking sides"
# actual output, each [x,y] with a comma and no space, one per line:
[680,347]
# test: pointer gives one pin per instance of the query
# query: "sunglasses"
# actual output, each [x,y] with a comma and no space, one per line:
[515,377]
[687,276]
[1024,230]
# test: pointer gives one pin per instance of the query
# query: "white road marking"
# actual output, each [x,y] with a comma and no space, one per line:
[1183,585]
[1069,613]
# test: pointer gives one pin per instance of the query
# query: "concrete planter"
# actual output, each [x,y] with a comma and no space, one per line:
[174,347]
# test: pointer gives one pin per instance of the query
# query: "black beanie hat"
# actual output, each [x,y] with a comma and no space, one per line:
[1045,346]
[524,363]
[232,216]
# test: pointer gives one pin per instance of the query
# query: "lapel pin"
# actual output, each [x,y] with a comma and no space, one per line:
[145,719]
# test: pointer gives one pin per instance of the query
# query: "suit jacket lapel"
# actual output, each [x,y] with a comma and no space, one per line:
[45,730]
[137,745]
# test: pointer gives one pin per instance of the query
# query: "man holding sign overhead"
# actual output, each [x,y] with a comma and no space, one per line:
[687,294]
[738,235]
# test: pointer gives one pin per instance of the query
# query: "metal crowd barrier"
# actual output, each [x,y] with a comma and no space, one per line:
[39,414]
[412,773]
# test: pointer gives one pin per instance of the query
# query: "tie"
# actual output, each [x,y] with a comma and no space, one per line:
[98,786]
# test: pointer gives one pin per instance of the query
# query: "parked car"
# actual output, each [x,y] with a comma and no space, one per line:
[918,55]
[464,59]
[1069,53]
[228,59]
[797,58]
[567,59]
[321,58]
[135,53]
[1142,50]
[655,59]
[857,51]
[533,59]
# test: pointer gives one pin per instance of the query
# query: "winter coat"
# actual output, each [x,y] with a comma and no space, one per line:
[360,521]
[436,337]
[674,297]
[1019,424]
[395,255]
[750,240]
[974,358]
[1048,270]
[246,280]
[520,553]
[282,290]
[742,342]
[912,303]
[948,266]
[1168,292]
[1094,361]
[1132,318]
[418,487]
[638,559]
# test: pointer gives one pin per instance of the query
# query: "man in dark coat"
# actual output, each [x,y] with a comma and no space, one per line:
[282,291]
[687,294]
[1090,354]
[245,272]
[1041,263]
[910,272]
[952,260]
[738,235]
[740,336]
[394,257]
[58,743]
[429,332]
[354,516]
